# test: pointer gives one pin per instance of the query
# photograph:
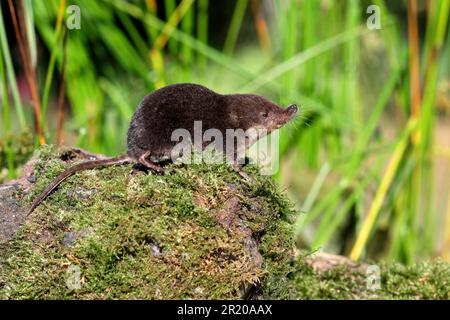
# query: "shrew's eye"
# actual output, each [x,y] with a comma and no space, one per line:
[264,114]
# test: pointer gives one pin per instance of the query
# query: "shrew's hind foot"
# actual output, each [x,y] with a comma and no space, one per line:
[146,162]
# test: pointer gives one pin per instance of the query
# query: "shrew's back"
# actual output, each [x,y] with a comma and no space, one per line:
[170,108]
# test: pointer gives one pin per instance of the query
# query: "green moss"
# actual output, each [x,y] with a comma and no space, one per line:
[426,280]
[142,235]
[137,235]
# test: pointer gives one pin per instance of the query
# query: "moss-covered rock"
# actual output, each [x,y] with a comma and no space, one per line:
[196,232]
[324,276]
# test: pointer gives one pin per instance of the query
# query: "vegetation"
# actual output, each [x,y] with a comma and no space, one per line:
[146,236]
[426,280]
[358,163]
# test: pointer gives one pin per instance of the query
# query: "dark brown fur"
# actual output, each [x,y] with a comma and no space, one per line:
[178,106]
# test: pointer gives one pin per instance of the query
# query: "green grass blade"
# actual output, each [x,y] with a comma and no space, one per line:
[235,26]
[7,120]
[11,74]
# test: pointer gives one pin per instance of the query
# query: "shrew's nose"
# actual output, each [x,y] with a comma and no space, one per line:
[292,108]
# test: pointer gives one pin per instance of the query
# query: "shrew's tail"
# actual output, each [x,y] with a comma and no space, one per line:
[122,159]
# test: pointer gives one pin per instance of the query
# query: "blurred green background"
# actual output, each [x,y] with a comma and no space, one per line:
[367,161]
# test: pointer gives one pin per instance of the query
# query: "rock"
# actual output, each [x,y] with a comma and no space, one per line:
[11,213]
[69,239]
[198,232]
[82,193]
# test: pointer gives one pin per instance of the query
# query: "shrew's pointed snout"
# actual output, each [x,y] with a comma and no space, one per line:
[286,115]
[292,110]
